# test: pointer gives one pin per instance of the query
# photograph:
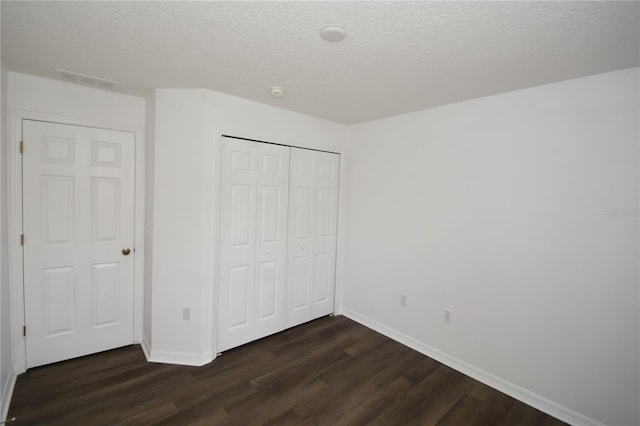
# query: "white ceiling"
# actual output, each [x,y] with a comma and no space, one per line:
[397,57]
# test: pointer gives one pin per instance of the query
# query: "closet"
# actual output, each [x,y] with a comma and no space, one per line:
[278,226]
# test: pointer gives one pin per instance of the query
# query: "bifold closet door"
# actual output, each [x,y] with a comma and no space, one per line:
[253,230]
[311,243]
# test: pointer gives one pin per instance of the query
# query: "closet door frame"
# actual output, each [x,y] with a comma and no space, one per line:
[217,224]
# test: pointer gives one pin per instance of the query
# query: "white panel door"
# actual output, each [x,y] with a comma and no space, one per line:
[311,247]
[253,226]
[271,238]
[78,210]
[239,180]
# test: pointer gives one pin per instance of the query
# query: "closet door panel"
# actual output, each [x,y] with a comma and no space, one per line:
[300,273]
[239,280]
[237,243]
[300,240]
[325,231]
[313,209]
[271,249]
[267,290]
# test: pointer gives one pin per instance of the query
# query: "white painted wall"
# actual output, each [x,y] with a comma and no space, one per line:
[178,214]
[64,102]
[7,373]
[149,155]
[500,209]
[63,99]
[188,127]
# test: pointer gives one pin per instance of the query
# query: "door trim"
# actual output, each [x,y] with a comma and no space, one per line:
[14,183]
[278,144]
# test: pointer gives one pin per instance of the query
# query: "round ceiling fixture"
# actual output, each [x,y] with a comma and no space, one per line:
[333,33]
[276,91]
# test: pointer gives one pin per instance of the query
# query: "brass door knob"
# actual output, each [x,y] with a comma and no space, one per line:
[126,251]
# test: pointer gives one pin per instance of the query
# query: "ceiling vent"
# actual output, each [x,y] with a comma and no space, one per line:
[87,80]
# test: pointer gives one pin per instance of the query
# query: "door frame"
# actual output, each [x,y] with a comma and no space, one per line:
[216,205]
[15,252]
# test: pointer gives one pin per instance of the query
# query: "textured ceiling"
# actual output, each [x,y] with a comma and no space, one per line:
[397,57]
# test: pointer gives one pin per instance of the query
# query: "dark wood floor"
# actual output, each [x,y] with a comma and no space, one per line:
[329,371]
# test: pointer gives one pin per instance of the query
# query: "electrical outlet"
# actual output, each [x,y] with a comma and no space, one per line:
[447,315]
[186,313]
[403,300]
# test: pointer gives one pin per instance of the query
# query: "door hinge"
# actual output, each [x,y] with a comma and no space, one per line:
[24,330]
[22,239]
[21,147]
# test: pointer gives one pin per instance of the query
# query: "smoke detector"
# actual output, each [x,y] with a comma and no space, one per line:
[333,33]
[276,91]
[87,80]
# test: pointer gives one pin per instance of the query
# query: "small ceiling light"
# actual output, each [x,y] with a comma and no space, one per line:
[333,33]
[276,91]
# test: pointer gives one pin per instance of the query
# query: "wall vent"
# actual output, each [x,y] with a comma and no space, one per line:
[87,80]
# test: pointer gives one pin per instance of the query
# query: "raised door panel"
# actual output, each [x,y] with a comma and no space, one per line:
[58,301]
[58,201]
[105,206]
[105,294]
[241,210]
[240,279]
[300,275]
[267,295]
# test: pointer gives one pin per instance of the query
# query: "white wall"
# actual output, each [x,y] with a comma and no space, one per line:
[178,215]
[188,128]
[63,99]
[149,155]
[7,373]
[64,102]
[500,209]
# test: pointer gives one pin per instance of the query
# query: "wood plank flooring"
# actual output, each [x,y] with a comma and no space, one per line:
[332,371]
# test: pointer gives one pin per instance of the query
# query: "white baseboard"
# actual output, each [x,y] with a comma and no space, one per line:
[179,358]
[543,404]
[7,393]
[174,357]
[146,347]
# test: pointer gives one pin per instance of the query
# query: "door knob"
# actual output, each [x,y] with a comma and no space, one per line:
[126,251]
[269,252]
